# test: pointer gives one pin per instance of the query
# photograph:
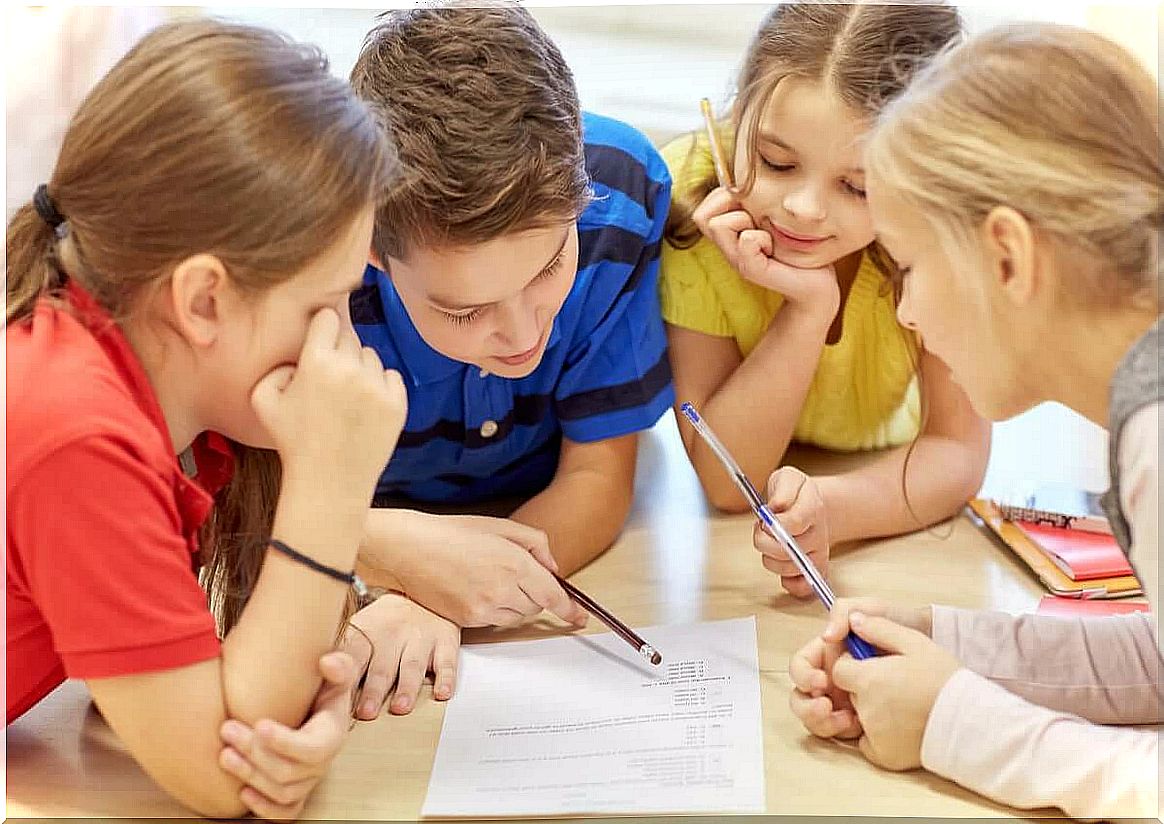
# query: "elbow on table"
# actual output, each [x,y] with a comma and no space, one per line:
[212,796]
[965,480]
[725,498]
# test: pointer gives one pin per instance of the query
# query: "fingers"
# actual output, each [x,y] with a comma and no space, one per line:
[784,487]
[806,668]
[273,792]
[821,719]
[755,250]
[324,334]
[720,202]
[544,590]
[338,669]
[382,675]
[790,577]
[444,665]
[848,675]
[885,634]
[533,540]
[721,217]
[797,586]
[265,395]
[271,754]
[838,624]
[312,745]
[414,661]
[265,808]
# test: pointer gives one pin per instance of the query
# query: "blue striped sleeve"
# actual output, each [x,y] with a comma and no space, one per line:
[617,378]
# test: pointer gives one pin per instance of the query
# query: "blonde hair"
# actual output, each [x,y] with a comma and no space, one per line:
[210,138]
[1056,122]
[864,52]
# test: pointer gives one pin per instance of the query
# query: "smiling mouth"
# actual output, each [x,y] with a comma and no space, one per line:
[793,237]
[522,357]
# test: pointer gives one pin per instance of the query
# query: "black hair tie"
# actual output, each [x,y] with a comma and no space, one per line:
[46,208]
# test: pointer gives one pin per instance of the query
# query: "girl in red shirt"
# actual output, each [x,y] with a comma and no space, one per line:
[178,288]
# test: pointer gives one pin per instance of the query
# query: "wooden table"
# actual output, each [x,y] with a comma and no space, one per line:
[673,564]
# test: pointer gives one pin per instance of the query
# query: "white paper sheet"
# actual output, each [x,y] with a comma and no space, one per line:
[582,724]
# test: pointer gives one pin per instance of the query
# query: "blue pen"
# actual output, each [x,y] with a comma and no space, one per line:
[858,647]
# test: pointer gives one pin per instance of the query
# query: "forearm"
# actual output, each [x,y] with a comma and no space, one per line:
[1027,756]
[941,474]
[385,539]
[270,658]
[754,412]
[582,513]
[1107,671]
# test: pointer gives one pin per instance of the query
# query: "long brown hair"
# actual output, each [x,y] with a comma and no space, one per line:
[865,53]
[215,138]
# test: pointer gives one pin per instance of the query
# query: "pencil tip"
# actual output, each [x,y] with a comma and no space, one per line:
[656,659]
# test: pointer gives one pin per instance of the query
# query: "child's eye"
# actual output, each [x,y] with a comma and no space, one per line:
[776,167]
[462,320]
[552,269]
[856,191]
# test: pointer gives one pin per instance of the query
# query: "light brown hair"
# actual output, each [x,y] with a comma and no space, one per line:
[209,138]
[865,53]
[1058,123]
[484,115]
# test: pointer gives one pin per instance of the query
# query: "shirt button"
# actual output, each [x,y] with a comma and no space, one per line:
[484,373]
[488,429]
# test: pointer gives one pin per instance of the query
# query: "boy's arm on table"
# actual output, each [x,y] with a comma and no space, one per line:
[585,506]
[945,468]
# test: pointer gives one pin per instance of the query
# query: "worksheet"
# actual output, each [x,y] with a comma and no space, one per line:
[583,724]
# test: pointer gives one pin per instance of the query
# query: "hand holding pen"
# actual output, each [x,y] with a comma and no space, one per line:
[770,523]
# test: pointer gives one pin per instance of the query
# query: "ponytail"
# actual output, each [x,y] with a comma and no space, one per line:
[31,265]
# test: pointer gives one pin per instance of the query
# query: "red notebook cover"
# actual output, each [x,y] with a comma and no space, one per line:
[1081,555]
[1074,607]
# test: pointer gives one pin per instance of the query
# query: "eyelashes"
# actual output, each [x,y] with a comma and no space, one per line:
[468,317]
[851,189]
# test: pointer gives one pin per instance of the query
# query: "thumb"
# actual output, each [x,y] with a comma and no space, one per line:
[885,634]
[337,668]
[265,395]
[848,674]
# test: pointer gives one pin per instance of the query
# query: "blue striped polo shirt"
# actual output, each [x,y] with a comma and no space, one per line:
[604,373]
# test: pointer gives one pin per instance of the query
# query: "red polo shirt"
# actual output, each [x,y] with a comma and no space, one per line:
[102,522]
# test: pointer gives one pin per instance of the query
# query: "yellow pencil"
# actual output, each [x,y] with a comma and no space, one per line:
[722,170]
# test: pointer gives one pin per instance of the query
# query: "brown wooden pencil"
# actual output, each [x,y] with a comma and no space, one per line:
[620,629]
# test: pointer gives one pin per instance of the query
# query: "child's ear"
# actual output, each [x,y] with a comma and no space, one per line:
[1012,255]
[199,299]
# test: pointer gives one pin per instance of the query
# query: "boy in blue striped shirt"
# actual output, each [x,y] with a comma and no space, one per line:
[513,284]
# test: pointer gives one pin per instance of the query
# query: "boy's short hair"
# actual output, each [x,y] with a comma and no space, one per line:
[485,117]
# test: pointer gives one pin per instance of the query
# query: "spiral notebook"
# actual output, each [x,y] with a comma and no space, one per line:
[1082,556]
[986,515]
[1059,505]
